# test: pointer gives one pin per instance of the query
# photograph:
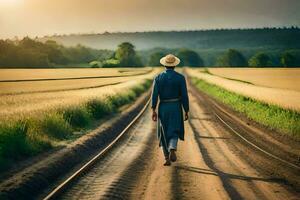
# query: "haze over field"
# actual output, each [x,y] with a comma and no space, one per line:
[38,18]
[209,39]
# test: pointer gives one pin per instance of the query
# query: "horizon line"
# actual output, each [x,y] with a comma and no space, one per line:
[151,31]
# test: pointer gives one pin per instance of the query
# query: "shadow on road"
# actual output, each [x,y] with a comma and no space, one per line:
[228,175]
[226,178]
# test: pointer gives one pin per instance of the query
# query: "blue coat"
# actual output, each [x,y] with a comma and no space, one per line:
[170,85]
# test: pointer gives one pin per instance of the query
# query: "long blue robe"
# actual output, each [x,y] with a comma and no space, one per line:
[170,85]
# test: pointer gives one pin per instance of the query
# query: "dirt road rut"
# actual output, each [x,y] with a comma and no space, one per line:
[207,168]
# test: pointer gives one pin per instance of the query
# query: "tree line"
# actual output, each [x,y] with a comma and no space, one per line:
[232,58]
[124,56]
[263,38]
[30,53]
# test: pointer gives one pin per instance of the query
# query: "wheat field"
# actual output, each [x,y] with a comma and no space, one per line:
[264,85]
[38,115]
[36,97]
[283,78]
[17,81]
[25,74]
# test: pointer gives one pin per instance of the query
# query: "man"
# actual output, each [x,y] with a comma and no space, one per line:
[170,87]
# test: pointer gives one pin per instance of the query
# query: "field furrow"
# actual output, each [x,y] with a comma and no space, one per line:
[10,75]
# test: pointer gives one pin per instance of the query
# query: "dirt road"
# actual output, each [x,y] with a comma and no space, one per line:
[208,167]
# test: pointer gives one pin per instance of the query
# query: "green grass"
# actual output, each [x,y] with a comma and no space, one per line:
[119,100]
[30,136]
[274,117]
[56,126]
[77,116]
[13,139]
[100,108]
[17,142]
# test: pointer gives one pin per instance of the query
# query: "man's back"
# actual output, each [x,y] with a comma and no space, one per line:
[170,85]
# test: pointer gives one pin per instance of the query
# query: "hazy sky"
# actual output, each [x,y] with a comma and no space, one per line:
[46,17]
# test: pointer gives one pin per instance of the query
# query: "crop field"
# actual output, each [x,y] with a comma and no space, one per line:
[15,81]
[282,78]
[265,85]
[25,74]
[18,99]
[38,111]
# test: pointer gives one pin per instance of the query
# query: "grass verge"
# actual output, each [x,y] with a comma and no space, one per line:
[272,116]
[30,136]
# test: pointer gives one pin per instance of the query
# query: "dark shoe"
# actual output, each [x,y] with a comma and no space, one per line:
[167,163]
[173,156]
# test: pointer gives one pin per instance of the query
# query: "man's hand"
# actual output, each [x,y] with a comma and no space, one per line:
[154,116]
[186,116]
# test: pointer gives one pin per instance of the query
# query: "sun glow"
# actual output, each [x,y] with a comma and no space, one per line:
[9,2]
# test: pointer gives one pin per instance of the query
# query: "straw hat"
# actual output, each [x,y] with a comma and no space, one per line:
[169,60]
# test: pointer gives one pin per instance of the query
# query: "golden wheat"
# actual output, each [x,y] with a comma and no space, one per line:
[21,74]
[19,105]
[284,78]
[289,99]
[55,85]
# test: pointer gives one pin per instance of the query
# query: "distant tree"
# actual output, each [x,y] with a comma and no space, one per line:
[102,54]
[155,58]
[127,56]
[28,43]
[190,58]
[290,58]
[260,60]
[95,64]
[28,53]
[79,54]
[31,53]
[33,59]
[111,63]
[232,58]
[7,49]
[54,52]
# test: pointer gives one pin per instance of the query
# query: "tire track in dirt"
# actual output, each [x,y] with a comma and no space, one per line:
[206,168]
[114,176]
[193,177]
[240,180]
[279,145]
